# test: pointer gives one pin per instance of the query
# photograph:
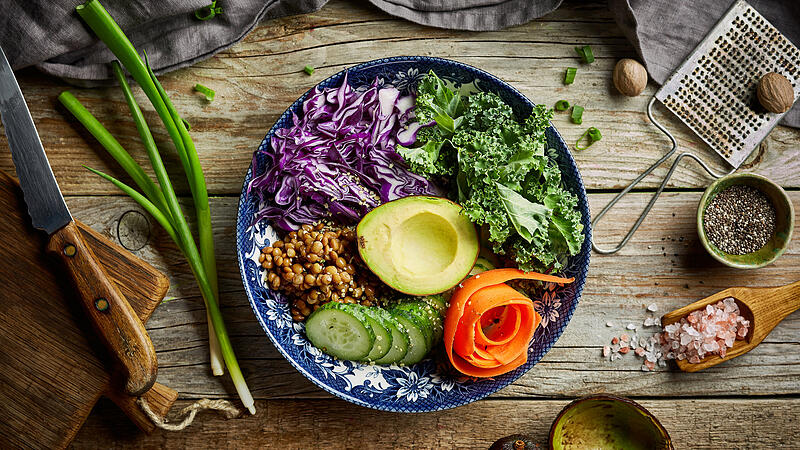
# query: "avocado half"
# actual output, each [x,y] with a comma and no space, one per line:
[418,245]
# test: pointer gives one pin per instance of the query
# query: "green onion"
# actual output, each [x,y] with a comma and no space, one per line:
[114,148]
[577,114]
[594,136]
[163,179]
[208,92]
[585,53]
[562,105]
[309,70]
[208,12]
[569,77]
[141,200]
[202,262]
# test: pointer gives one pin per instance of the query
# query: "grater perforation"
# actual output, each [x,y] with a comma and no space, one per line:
[713,91]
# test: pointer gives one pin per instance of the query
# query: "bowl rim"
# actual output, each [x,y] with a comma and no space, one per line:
[704,200]
[613,398]
[580,276]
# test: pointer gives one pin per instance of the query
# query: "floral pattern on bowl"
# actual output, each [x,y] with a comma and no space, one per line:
[430,385]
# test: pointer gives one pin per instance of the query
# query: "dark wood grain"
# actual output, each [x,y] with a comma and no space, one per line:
[693,424]
[750,402]
[113,319]
[52,373]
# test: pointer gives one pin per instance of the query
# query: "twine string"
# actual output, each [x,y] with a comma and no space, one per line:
[188,413]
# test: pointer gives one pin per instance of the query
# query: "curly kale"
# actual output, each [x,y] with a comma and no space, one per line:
[505,179]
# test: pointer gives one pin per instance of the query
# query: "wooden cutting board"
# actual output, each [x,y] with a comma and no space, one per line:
[51,371]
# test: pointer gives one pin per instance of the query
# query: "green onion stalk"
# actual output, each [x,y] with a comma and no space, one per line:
[160,201]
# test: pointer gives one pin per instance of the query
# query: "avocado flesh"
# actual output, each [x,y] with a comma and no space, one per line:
[418,245]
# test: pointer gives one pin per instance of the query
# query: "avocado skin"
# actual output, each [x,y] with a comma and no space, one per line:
[508,443]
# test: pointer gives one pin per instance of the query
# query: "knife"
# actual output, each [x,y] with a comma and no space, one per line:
[113,319]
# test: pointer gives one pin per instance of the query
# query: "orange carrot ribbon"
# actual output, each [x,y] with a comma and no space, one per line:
[489,324]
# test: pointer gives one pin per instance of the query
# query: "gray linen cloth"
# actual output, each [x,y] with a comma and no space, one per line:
[49,34]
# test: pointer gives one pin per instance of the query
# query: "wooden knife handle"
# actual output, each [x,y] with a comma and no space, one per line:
[113,319]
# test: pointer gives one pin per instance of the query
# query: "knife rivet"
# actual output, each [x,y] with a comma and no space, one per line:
[101,304]
[70,250]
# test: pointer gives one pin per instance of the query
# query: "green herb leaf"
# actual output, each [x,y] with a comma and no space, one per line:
[436,102]
[569,76]
[529,219]
[422,160]
[208,92]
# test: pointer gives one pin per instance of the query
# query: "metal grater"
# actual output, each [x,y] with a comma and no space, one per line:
[714,93]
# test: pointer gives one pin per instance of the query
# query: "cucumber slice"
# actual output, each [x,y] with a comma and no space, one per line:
[399,341]
[417,342]
[439,306]
[436,319]
[340,331]
[377,319]
[421,318]
[438,303]
[481,265]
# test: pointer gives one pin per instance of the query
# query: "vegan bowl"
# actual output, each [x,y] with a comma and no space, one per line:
[412,148]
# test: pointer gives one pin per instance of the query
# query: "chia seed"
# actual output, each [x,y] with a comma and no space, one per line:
[739,220]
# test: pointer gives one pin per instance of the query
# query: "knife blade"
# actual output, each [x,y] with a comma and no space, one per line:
[114,321]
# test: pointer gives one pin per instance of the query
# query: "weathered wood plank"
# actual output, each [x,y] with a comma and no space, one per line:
[258,78]
[695,424]
[618,290]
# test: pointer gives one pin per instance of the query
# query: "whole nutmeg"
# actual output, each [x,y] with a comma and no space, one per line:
[775,93]
[630,77]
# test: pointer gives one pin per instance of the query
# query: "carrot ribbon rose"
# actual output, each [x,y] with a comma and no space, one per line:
[489,324]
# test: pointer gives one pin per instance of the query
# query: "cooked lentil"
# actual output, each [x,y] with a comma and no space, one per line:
[318,264]
[739,220]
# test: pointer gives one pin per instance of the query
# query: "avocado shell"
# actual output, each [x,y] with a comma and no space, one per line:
[608,421]
[514,442]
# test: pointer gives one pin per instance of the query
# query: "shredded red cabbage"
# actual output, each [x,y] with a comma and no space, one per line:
[338,161]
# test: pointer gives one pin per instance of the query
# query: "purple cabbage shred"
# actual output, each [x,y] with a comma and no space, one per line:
[338,160]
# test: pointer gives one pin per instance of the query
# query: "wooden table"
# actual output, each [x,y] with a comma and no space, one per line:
[753,401]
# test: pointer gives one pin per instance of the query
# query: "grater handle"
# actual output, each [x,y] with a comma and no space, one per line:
[712,172]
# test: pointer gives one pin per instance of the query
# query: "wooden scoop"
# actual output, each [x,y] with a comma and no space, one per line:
[763,307]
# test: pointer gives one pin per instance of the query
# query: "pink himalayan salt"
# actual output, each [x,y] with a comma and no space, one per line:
[624,350]
[615,340]
[606,350]
[639,351]
[709,331]
[624,338]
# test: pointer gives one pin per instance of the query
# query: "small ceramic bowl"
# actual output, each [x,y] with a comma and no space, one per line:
[607,422]
[784,221]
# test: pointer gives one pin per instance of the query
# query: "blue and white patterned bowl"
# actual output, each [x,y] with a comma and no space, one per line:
[431,384]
